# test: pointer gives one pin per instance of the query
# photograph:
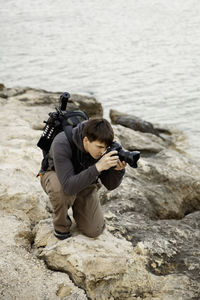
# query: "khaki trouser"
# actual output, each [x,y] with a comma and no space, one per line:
[85,205]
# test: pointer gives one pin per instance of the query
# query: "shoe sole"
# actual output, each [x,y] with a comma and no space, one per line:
[62,236]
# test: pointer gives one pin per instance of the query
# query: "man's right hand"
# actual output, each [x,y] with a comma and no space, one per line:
[107,161]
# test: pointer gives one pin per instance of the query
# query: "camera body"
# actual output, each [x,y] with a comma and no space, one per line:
[130,157]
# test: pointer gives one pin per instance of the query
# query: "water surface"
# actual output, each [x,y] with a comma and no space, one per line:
[136,56]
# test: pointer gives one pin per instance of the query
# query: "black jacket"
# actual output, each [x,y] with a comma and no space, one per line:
[60,159]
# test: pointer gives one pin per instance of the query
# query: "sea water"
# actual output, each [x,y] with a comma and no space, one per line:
[136,56]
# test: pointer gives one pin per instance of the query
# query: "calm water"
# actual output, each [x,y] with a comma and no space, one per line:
[137,56]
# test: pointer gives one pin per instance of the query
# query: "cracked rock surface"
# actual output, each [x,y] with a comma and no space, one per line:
[150,247]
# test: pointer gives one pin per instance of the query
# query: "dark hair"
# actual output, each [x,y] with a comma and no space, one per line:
[99,129]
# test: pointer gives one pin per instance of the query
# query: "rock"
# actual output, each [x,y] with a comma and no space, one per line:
[166,185]
[132,122]
[39,97]
[88,104]
[19,164]
[150,248]
[2,93]
[2,86]
[132,140]
[24,276]
[171,246]
[109,268]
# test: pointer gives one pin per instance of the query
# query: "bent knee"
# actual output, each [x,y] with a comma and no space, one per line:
[94,232]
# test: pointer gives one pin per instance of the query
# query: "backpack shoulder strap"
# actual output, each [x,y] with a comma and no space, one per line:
[77,155]
[68,132]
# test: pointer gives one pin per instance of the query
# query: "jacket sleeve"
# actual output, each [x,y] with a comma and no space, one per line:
[62,157]
[111,178]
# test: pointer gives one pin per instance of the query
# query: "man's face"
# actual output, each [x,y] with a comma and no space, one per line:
[95,148]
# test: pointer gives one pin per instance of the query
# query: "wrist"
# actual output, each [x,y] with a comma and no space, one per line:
[98,167]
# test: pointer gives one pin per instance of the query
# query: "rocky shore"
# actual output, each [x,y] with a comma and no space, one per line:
[150,248]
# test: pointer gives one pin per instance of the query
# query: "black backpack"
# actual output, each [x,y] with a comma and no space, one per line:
[58,121]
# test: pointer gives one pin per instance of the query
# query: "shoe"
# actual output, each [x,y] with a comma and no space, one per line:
[62,235]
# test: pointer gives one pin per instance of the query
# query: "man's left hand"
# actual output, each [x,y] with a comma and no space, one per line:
[120,165]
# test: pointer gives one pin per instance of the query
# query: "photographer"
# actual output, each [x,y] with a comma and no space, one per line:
[71,178]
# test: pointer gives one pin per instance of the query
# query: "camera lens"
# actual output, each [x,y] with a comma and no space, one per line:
[129,157]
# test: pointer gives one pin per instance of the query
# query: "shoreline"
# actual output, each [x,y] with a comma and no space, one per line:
[183,139]
[152,235]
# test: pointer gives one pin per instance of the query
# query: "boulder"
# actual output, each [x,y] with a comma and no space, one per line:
[2,86]
[150,247]
[171,246]
[23,275]
[88,104]
[166,185]
[131,140]
[108,267]
[39,97]
[132,122]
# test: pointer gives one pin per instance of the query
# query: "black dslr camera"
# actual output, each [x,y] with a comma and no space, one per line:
[130,157]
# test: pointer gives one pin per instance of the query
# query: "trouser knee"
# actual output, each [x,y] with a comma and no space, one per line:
[94,232]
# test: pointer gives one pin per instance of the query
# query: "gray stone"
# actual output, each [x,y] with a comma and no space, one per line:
[39,97]
[23,275]
[88,104]
[166,185]
[2,86]
[150,248]
[132,122]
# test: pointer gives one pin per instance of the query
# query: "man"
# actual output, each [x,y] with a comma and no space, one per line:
[71,179]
